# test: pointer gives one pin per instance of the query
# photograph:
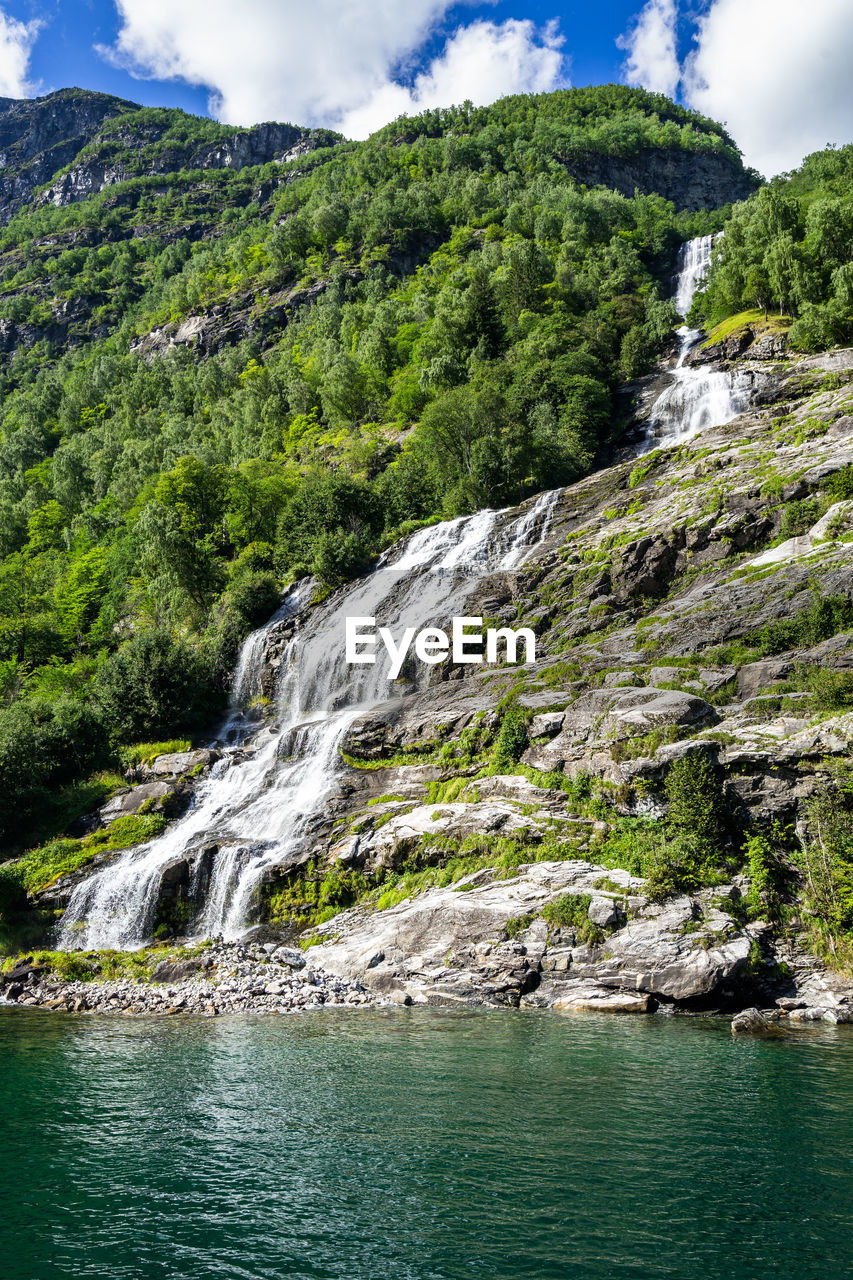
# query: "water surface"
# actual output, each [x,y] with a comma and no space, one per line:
[422,1145]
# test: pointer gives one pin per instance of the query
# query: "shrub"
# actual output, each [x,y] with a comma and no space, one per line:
[765,866]
[571,911]
[696,802]
[826,861]
[339,556]
[512,738]
[255,598]
[43,745]
[831,690]
[153,687]
[677,864]
[798,517]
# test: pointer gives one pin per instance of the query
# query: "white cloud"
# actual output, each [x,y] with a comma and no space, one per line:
[328,63]
[778,73]
[483,61]
[16,43]
[652,59]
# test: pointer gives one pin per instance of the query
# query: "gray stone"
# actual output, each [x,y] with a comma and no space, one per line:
[180,763]
[752,1022]
[603,912]
[175,970]
[151,795]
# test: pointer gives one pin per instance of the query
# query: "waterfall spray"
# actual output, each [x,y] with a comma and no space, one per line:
[697,397]
[255,809]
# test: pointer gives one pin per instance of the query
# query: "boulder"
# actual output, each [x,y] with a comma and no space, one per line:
[179,763]
[150,795]
[587,998]
[603,912]
[752,1022]
[649,709]
[175,970]
[288,956]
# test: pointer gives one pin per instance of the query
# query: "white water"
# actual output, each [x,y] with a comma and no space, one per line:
[255,809]
[698,397]
[529,529]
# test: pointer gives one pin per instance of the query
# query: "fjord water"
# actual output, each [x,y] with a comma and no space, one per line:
[422,1145]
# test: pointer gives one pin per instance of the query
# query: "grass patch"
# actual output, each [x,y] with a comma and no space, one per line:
[757,321]
[40,867]
[146,752]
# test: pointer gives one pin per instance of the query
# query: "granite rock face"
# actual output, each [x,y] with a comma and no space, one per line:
[39,136]
[122,153]
[691,180]
[487,940]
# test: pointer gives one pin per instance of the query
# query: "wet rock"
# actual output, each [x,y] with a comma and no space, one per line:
[752,1022]
[588,998]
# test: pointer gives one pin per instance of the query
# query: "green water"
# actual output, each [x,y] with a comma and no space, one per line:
[421,1145]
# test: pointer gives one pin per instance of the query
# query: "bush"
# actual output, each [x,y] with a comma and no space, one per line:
[826,862]
[255,598]
[512,738]
[677,864]
[696,803]
[43,745]
[153,687]
[831,690]
[339,556]
[571,911]
[798,517]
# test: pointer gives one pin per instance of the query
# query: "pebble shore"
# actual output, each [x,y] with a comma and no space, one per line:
[225,978]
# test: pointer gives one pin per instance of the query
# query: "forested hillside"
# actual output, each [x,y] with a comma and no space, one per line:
[789,249]
[236,356]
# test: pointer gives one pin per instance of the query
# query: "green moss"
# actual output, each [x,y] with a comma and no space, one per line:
[757,321]
[41,867]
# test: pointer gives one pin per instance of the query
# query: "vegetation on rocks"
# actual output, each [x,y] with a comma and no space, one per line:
[379,333]
[789,247]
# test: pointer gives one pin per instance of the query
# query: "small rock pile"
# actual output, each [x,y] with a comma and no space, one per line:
[225,978]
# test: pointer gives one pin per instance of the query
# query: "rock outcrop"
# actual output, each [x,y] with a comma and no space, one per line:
[142,147]
[39,136]
[485,940]
[691,180]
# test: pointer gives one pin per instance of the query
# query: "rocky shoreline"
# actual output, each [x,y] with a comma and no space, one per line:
[566,935]
[223,978]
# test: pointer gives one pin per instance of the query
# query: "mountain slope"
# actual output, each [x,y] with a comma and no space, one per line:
[218,377]
[657,811]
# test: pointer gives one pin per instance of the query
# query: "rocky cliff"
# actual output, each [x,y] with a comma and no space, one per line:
[43,138]
[690,180]
[39,136]
[139,147]
[667,599]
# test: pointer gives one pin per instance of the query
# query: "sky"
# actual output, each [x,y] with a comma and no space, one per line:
[776,72]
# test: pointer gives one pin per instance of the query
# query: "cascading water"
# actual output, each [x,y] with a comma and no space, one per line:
[529,529]
[697,397]
[256,807]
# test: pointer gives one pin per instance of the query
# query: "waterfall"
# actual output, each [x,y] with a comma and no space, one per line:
[255,809]
[533,524]
[246,681]
[697,397]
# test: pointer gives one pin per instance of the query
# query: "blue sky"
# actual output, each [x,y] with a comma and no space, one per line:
[65,51]
[780,84]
